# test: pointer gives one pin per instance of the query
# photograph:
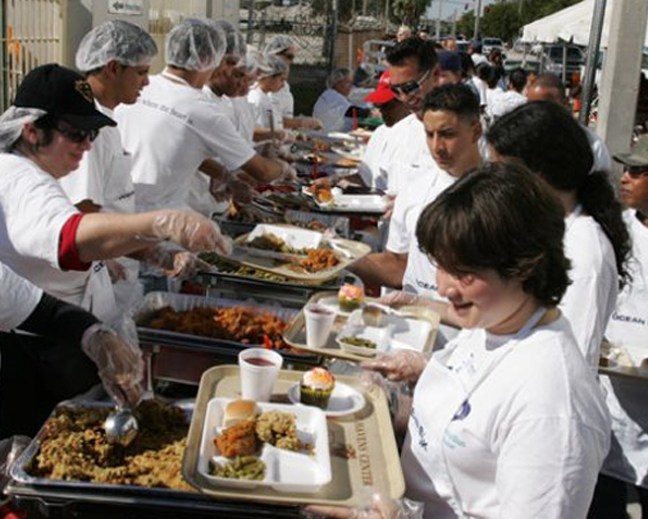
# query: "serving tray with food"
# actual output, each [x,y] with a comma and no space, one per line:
[363,327]
[360,448]
[312,265]
[211,324]
[335,200]
[618,361]
[250,445]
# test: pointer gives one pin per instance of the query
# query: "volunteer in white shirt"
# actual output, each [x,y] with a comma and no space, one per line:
[116,56]
[267,108]
[285,48]
[627,462]
[549,87]
[414,72]
[552,144]
[512,98]
[45,239]
[333,106]
[507,420]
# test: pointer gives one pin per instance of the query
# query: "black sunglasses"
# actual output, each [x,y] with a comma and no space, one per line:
[76,135]
[636,171]
[409,87]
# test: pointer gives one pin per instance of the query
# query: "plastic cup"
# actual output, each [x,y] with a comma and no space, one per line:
[259,369]
[319,322]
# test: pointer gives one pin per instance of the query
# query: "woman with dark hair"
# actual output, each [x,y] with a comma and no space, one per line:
[550,142]
[506,420]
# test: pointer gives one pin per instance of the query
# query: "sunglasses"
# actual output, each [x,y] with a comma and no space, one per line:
[76,135]
[409,87]
[636,171]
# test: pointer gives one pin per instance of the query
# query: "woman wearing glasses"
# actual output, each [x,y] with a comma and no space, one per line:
[627,462]
[46,240]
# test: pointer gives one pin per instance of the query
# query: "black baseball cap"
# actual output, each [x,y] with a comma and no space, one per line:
[62,93]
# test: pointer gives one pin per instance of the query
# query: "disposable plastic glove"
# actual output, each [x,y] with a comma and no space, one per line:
[116,271]
[310,123]
[190,230]
[175,262]
[377,506]
[119,363]
[399,298]
[288,174]
[400,366]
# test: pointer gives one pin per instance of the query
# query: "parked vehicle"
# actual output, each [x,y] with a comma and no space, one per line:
[489,44]
[553,60]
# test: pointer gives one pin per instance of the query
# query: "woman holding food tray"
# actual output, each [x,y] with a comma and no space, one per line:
[507,420]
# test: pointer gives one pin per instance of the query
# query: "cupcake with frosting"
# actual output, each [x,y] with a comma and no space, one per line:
[316,387]
[350,297]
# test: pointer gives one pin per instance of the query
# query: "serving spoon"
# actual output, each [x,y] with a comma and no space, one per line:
[121,426]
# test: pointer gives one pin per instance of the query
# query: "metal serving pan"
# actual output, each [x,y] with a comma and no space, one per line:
[225,349]
[50,497]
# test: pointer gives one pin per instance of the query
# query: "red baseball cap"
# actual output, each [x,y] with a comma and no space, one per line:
[382,94]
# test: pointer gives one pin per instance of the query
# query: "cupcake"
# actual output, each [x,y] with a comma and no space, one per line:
[350,297]
[316,387]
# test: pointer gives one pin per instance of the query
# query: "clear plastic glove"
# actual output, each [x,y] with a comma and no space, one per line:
[399,298]
[377,506]
[399,398]
[389,207]
[400,366]
[10,449]
[116,271]
[190,230]
[240,190]
[119,363]
[310,123]
[288,174]
[270,150]
[176,263]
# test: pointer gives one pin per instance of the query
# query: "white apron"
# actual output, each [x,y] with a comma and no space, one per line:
[423,458]
[98,297]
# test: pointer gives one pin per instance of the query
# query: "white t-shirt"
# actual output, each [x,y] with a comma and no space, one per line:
[170,131]
[626,398]
[244,115]
[19,299]
[286,100]
[528,441]
[591,297]
[33,211]
[264,104]
[104,177]
[602,159]
[505,103]
[377,154]
[330,108]
[424,182]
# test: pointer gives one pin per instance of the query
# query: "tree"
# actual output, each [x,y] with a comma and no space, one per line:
[409,11]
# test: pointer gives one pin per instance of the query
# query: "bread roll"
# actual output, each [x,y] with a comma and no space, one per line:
[239,410]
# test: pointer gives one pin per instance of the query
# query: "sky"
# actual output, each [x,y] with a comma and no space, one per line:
[448,7]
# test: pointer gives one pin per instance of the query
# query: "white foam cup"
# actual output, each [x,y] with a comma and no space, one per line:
[319,322]
[259,369]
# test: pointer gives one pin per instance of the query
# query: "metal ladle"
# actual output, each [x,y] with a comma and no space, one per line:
[121,425]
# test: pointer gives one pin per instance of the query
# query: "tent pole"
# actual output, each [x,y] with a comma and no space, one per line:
[591,61]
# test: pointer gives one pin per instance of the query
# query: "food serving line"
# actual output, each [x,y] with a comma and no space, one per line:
[267,290]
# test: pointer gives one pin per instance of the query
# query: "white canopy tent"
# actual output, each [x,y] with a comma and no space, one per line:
[571,24]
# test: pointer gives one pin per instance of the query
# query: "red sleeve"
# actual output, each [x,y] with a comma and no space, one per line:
[68,254]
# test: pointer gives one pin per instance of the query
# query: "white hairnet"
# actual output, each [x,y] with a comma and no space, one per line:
[274,66]
[337,75]
[234,38]
[278,44]
[195,44]
[255,61]
[12,122]
[117,40]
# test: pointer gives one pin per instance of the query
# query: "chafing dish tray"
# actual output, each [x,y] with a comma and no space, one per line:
[60,498]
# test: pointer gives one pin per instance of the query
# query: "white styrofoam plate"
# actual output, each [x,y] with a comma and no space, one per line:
[294,237]
[344,400]
[396,333]
[286,471]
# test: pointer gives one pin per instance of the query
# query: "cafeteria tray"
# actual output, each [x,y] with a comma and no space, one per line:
[362,445]
[58,498]
[154,301]
[295,332]
[349,251]
[615,361]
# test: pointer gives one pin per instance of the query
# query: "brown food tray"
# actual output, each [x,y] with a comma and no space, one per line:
[615,361]
[295,332]
[362,445]
[356,250]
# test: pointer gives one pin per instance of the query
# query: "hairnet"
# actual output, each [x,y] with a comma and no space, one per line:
[278,44]
[12,122]
[337,75]
[195,44]
[117,40]
[255,61]
[234,38]
[274,66]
